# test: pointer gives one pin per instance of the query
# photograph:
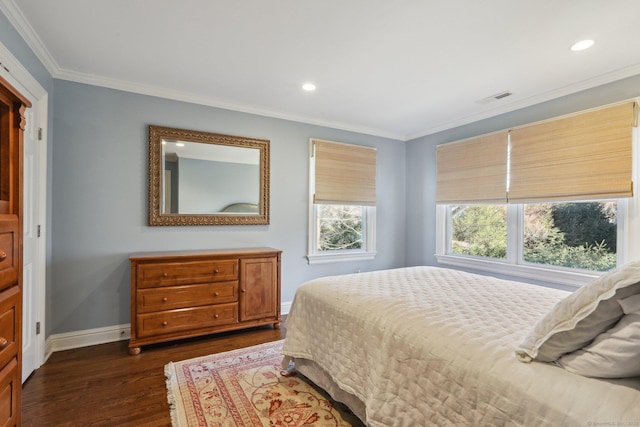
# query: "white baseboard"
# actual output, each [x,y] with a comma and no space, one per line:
[48,349]
[69,340]
[285,307]
[77,339]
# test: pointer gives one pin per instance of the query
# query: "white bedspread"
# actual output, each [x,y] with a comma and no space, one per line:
[427,346]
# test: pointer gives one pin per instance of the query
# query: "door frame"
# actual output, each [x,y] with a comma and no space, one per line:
[18,76]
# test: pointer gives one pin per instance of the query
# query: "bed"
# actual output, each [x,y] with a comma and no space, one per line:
[423,346]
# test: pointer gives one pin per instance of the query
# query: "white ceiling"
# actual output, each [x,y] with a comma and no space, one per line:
[398,69]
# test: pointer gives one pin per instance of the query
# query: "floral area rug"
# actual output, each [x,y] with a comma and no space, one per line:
[245,388]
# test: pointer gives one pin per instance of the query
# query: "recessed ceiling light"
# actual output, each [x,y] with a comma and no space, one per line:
[179,144]
[309,87]
[582,45]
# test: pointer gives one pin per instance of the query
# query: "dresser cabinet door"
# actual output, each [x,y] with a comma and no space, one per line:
[8,252]
[9,393]
[258,288]
[10,384]
[9,324]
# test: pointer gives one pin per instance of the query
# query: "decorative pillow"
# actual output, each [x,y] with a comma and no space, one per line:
[613,354]
[576,320]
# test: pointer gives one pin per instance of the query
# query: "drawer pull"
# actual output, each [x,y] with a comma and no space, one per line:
[165,274]
[164,299]
[216,316]
[3,343]
[216,271]
[215,294]
[3,255]
[164,324]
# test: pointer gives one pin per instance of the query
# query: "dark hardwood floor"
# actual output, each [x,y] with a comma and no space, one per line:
[103,385]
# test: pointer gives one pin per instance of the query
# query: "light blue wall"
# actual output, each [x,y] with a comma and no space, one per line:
[421,174]
[100,198]
[206,186]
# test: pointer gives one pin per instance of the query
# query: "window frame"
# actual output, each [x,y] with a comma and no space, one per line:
[314,256]
[367,252]
[514,264]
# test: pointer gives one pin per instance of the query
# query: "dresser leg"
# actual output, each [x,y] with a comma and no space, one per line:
[134,351]
[276,325]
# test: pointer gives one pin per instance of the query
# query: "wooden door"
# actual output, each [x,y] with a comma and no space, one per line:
[258,288]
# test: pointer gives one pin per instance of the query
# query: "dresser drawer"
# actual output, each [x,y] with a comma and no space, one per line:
[9,301]
[171,297]
[188,319]
[8,251]
[9,387]
[185,273]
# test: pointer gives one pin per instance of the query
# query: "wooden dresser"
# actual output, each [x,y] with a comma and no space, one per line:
[185,294]
[12,125]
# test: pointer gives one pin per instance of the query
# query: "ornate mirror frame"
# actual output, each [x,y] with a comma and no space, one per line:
[158,134]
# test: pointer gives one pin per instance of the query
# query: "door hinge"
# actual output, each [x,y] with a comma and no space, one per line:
[39,134]
[37,328]
[38,230]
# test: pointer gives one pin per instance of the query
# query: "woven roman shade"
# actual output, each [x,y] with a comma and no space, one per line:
[473,170]
[584,156]
[345,174]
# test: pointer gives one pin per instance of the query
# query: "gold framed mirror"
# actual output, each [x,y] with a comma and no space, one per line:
[203,178]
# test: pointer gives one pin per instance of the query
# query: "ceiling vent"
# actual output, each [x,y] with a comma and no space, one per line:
[495,97]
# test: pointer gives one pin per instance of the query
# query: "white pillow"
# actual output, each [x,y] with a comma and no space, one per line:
[576,320]
[631,304]
[613,354]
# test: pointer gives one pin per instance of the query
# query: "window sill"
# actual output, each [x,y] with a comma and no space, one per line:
[547,275]
[340,257]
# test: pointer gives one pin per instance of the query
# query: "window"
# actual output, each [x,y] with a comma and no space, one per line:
[574,235]
[560,235]
[340,227]
[479,230]
[549,201]
[341,233]
[342,202]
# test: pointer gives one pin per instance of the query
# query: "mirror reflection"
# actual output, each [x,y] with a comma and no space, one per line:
[201,178]
[210,179]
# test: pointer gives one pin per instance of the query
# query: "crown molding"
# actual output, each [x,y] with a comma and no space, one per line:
[29,35]
[26,31]
[533,100]
[18,20]
[144,89]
